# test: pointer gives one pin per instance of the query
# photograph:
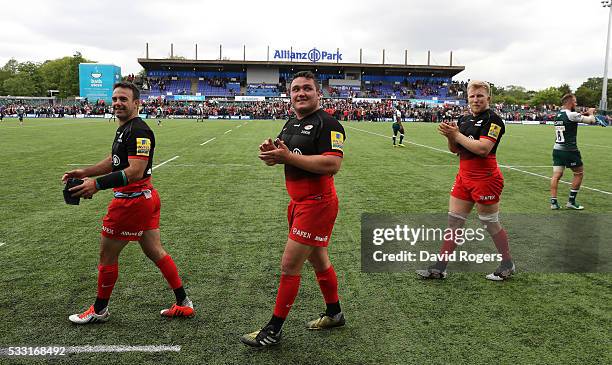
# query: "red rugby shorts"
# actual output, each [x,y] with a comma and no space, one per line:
[311,222]
[127,219]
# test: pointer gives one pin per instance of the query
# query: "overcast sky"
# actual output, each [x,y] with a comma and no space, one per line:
[532,43]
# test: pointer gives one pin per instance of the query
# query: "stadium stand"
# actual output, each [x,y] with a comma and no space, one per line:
[222,83]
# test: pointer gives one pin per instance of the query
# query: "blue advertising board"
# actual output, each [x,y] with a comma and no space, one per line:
[186,97]
[96,80]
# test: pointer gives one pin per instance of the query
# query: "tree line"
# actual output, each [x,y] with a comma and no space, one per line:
[62,74]
[587,94]
[36,79]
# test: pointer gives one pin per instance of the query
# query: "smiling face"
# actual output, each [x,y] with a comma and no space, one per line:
[304,96]
[478,99]
[125,106]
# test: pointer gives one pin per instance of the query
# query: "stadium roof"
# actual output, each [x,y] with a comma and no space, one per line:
[320,67]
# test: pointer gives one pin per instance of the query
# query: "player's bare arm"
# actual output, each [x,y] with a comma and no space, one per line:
[480,147]
[318,164]
[136,170]
[133,173]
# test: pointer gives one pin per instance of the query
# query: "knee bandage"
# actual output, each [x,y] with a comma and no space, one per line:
[489,218]
[456,216]
[558,168]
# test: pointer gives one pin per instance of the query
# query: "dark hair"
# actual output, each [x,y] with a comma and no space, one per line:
[128,85]
[566,97]
[307,75]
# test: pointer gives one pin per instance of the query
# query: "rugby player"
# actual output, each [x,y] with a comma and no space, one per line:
[133,214]
[20,113]
[565,151]
[200,111]
[160,115]
[112,118]
[311,148]
[479,182]
[398,127]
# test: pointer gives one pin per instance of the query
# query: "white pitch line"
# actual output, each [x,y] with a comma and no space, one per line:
[2,244]
[119,348]
[165,162]
[594,145]
[550,166]
[210,140]
[226,132]
[211,165]
[504,166]
[444,165]
[416,144]
[561,181]
[239,125]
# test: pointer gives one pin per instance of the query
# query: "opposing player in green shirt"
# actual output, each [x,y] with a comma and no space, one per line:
[398,127]
[565,152]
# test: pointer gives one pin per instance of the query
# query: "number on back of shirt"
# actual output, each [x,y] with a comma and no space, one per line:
[559,132]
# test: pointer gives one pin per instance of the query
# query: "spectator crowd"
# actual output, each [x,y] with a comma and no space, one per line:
[341,109]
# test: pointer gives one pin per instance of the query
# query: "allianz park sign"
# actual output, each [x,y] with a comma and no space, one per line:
[314,55]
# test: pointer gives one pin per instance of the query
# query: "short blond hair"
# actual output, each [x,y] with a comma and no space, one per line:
[567,97]
[478,84]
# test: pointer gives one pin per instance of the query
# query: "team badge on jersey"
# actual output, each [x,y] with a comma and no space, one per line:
[494,131]
[143,146]
[337,140]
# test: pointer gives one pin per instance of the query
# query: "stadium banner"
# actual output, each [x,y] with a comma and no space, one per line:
[234,117]
[313,55]
[406,242]
[96,81]
[187,97]
[262,86]
[108,115]
[366,100]
[426,101]
[249,98]
[174,116]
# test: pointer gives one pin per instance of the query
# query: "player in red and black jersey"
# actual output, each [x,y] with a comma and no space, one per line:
[479,182]
[311,148]
[133,214]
